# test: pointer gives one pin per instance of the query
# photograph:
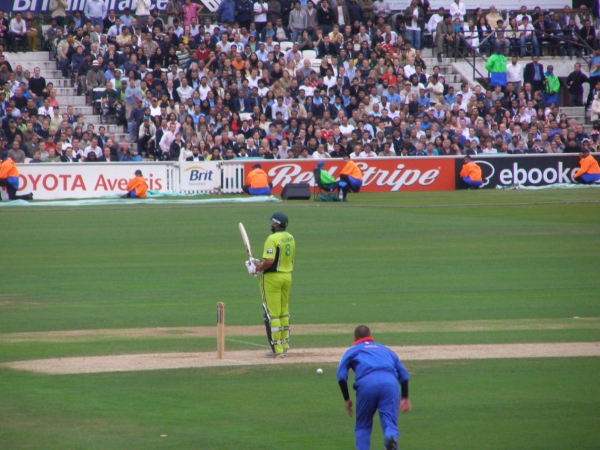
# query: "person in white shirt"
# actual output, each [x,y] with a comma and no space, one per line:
[329,80]
[434,20]
[93,147]
[413,16]
[17,31]
[345,128]
[321,153]
[307,88]
[514,74]
[167,139]
[185,91]
[154,108]
[142,10]
[253,79]
[458,10]
[466,94]
[436,90]
[488,148]
[381,8]
[409,68]
[260,14]
[522,14]
[527,34]
[368,152]
[204,88]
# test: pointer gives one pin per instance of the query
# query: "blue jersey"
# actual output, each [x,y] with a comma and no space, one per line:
[367,358]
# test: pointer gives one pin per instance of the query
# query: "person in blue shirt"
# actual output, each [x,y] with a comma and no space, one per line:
[450,97]
[377,372]
[226,11]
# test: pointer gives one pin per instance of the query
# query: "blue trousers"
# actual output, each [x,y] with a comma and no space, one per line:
[259,191]
[588,178]
[377,391]
[469,182]
[414,36]
[551,98]
[96,21]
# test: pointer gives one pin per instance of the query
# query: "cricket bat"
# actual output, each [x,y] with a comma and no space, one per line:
[247,243]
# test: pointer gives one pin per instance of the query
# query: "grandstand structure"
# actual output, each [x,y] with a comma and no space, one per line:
[455,70]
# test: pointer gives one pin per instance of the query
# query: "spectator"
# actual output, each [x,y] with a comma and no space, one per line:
[58,11]
[96,11]
[413,16]
[551,86]
[458,10]
[527,35]
[17,33]
[260,15]
[381,9]
[575,82]
[444,36]
[297,22]
[496,65]
[15,153]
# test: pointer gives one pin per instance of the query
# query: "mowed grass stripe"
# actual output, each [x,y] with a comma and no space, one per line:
[71,336]
[162,361]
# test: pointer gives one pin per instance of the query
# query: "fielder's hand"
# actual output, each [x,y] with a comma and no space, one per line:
[251,268]
[349,407]
[405,405]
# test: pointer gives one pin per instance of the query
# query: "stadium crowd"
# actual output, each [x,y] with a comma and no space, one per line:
[285,79]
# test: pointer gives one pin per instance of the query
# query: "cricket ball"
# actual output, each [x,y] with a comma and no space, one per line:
[319,371]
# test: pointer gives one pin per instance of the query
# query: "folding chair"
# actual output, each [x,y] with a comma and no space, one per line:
[320,188]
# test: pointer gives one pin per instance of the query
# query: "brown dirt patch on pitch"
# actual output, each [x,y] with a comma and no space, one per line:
[305,329]
[317,356]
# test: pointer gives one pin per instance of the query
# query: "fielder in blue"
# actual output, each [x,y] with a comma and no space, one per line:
[377,372]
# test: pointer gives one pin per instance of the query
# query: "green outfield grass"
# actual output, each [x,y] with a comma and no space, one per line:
[409,257]
[495,404]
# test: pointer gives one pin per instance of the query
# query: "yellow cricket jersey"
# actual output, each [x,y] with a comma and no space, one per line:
[281,247]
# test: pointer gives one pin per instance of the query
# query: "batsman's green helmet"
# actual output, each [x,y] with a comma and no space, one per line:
[280,219]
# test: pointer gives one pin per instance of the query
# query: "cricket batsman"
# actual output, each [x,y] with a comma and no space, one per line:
[378,371]
[275,281]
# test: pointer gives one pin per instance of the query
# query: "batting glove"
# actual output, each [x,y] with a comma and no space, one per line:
[251,268]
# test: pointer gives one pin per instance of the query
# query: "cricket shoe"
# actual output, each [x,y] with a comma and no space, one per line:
[391,444]
[272,354]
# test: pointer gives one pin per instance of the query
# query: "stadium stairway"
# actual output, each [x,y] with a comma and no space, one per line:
[65,92]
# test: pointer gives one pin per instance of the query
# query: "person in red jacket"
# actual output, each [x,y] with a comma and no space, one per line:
[470,174]
[257,182]
[352,176]
[9,178]
[137,187]
[589,171]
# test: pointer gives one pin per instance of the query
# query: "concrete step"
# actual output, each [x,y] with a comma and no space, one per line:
[43,65]
[71,100]
[51,73]
[87,111]
[27,57]
[59,82]
[65,91]
[110,128]
[573,110]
